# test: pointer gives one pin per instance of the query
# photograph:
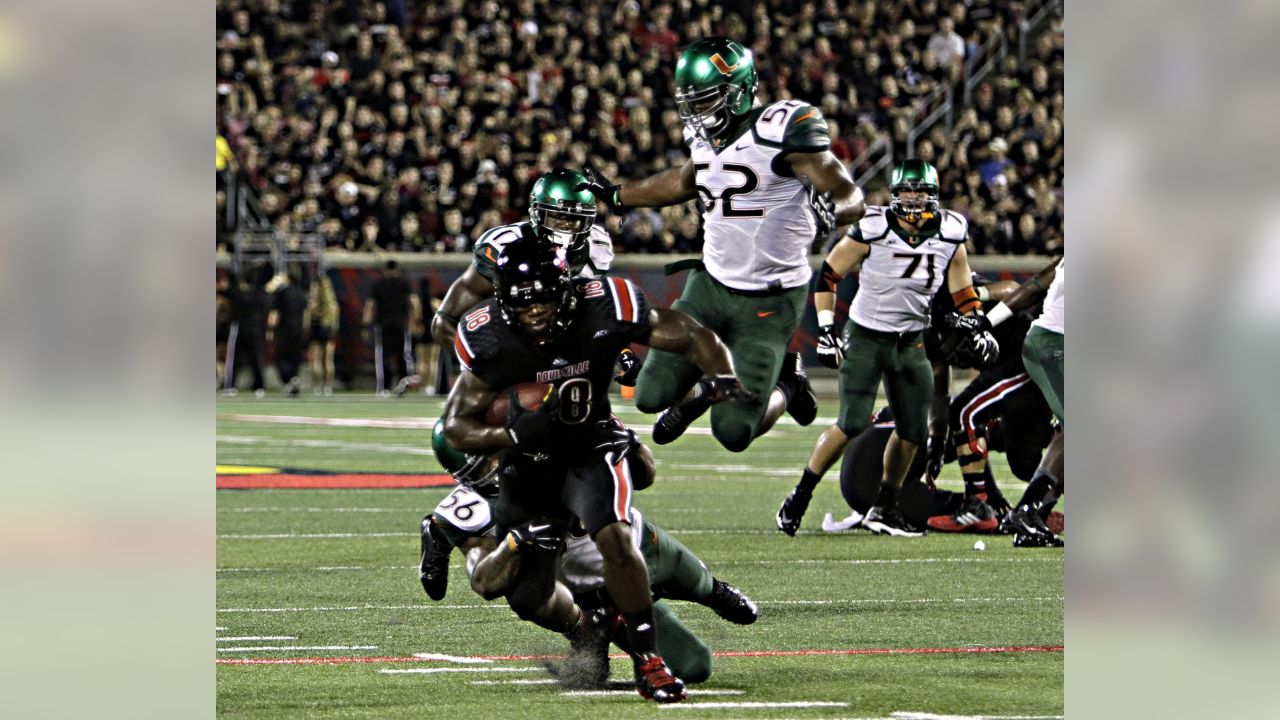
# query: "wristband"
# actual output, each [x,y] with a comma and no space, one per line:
[826,318]
[983,294]
[999,314]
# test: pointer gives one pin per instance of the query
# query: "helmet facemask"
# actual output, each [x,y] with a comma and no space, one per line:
[527,285]
[708,112]
[568,225]
[922,207]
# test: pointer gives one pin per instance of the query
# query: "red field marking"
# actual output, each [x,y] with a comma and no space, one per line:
[729,653]
[321,482]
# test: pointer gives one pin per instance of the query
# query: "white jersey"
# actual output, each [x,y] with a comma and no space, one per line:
[582,566]
[593,263]
[757,224]
[1054,315]
[899,277]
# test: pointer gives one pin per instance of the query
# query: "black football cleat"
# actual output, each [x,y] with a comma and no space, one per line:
[731,604]
[676,419]
[1029,530]
[890,522]
[433,565]
[803,406]
[792,510]
[654,681]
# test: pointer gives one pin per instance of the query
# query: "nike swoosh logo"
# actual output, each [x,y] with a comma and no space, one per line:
[740,147]
[538,528]
[764,314]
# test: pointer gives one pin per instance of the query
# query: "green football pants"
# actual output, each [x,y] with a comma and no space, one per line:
[897,358]
[1044,356]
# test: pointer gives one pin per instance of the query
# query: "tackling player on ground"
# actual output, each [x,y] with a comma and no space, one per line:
[767,185]
[904,251]
[541,326]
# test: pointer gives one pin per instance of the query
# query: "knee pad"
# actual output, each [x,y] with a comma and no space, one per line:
[698,668]
[734,435]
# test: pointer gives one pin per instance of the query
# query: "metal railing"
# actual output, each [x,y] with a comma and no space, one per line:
[877,157]
[944,110]
[978,67]
[1031,21]
[278,248]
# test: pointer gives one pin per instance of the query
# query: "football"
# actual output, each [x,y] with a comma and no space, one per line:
[530,397]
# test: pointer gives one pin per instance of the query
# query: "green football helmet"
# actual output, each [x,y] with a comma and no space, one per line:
[715,83]
[560,212]
[478,472]
[914,175]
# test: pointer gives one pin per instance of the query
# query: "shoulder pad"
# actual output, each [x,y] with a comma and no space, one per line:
[489,246]
[599,253]
[954,228]
[794,125]
[615,298]
[874,225]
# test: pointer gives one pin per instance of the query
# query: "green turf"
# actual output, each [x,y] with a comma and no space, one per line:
[816,591]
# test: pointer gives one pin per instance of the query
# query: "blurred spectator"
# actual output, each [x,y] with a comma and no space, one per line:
[287,327]
[322,310]
[247,337]
[387,312]
[343,111]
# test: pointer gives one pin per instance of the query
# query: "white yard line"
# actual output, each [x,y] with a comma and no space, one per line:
[272,445]
[248,638]
[453,658]
[521,681]
[316,510]
[311,536]
[432,671]
[904,561]
[628,693]
[902,715]
[785,704]
[282,648]
[502,606]
[393,423]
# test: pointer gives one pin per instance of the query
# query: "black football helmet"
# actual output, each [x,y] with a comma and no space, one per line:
[534,272]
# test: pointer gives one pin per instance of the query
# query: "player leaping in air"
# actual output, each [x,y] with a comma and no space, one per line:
[767,185]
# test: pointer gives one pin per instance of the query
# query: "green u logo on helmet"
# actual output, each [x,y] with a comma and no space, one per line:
[561,213]
[474,471]
[715,83]
[919,178]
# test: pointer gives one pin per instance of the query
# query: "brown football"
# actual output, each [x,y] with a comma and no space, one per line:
[530,397]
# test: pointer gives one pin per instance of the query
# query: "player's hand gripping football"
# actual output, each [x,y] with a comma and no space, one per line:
[830,349]
[533,431]
[725,387]
[628,368]
[603,190]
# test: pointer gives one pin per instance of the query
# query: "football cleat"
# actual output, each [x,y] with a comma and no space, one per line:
[676,419]
[731,604]
[792,510]
[974,515]
[1029,530]
[889,522]
[803,407]
[654,680]
[433,565]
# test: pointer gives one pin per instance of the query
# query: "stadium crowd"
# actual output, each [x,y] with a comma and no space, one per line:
[416,126]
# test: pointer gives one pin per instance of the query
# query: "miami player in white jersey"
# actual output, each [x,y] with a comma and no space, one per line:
[905,253]
[768,185]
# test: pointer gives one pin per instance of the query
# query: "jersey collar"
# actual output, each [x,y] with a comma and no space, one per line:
[737,128]
[931,229]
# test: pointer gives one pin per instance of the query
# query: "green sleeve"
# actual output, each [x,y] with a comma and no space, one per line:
[806,131]
[485,258]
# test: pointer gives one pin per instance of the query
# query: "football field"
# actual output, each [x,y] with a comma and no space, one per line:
[320,613]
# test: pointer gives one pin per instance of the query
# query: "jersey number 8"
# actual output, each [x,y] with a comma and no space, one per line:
[575,400]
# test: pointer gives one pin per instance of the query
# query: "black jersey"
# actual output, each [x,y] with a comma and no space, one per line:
[609,315]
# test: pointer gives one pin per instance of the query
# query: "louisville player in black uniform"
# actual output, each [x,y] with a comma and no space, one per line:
[541,326]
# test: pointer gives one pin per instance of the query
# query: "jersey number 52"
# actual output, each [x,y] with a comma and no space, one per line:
[751,181]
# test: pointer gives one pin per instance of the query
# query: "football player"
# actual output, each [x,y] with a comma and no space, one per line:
[542,326]
[904,251]
[1003,391]
[767,185]
[560,213]
[464,519]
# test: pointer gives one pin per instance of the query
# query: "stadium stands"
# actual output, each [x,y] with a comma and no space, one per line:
[415,126]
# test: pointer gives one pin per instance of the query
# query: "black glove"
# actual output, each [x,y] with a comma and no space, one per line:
[969,342]
[537,535]
[725,387]
[533,431]
[830,349]
[824,211]
[985,348]
[934,456]
[603,190]
[628,368]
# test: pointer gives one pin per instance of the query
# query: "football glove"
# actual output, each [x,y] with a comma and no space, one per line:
[536,535]
[969,342]
[533,431]
[725,387]
[628,368]
[935,453]
[824,211]
[603,190]
[830,349]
